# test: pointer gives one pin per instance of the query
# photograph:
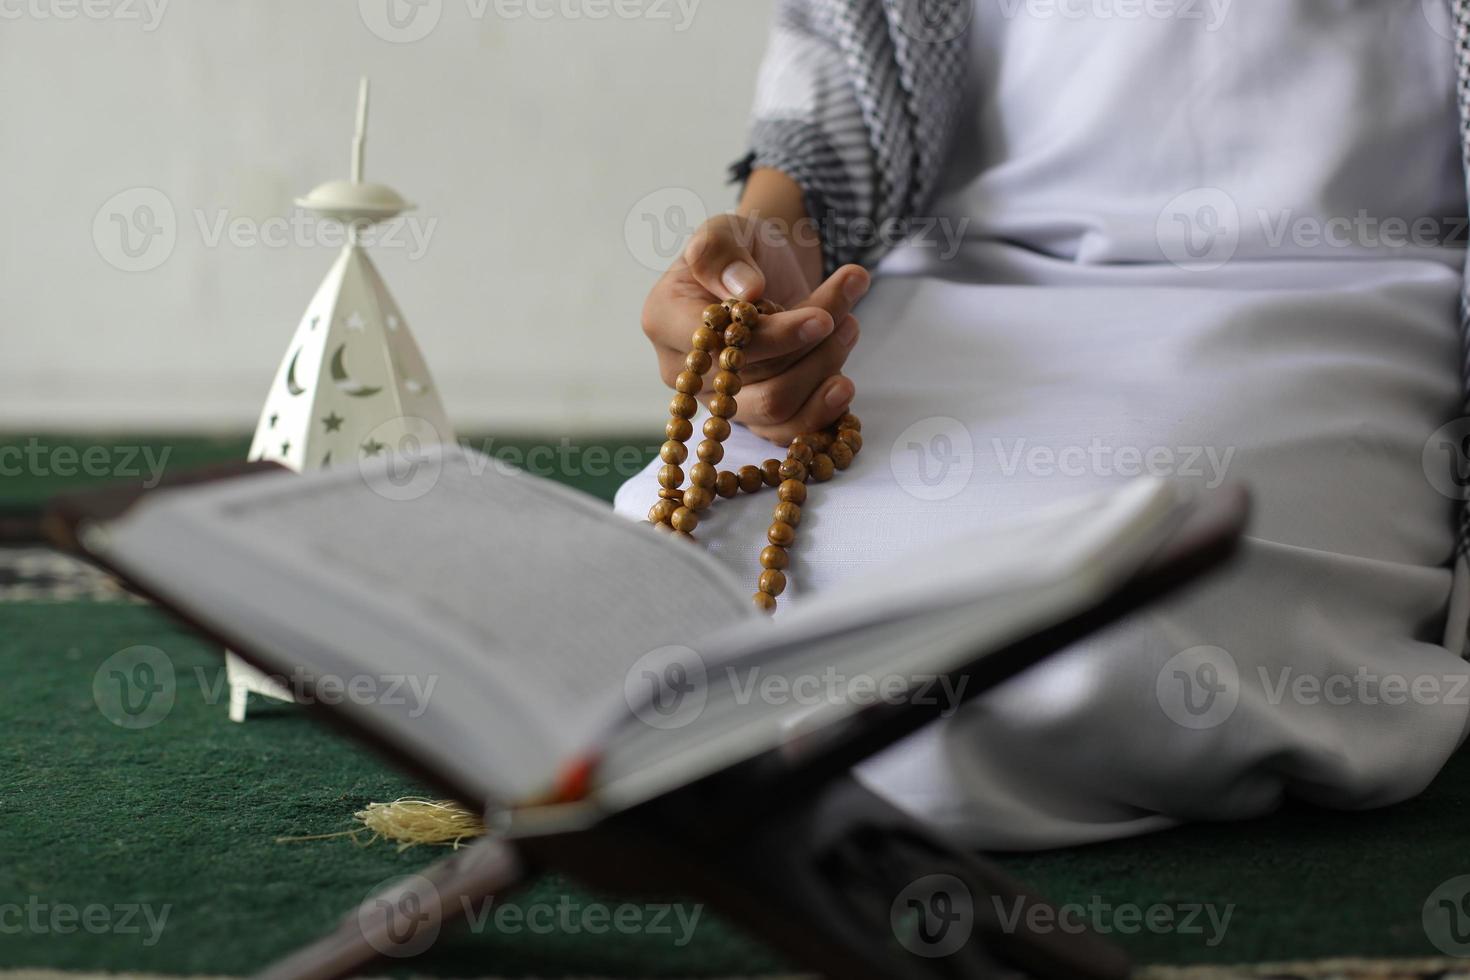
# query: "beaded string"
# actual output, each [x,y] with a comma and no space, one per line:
[726,329]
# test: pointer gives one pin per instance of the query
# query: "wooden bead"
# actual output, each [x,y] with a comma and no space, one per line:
[728,327]
[716,428]
[722,406]
[702,475]
[698,361]
[716,317]
[745,314]
[698,499]
[773,582]
[737,335]
[792,469]
[781,533]
[774,556]
[706,340]
[820,441]
[792,491]
[727,383]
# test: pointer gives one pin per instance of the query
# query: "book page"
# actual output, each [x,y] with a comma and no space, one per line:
[877,639]
[519,604]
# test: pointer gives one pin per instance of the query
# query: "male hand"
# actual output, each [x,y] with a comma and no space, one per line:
[792,381]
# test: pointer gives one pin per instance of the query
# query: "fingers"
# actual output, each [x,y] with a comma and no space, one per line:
[822,408]
[791,356]
[670,363]
[719,258]
[794,332]
[840,292]
[671,313]
[785,337]
[809,394]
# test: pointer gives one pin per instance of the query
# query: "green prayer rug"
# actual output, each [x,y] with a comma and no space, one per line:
[155,849]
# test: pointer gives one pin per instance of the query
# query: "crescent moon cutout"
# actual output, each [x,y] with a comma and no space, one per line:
[291,385]
[340,377]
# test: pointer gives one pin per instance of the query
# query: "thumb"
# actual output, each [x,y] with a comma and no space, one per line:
[719,258]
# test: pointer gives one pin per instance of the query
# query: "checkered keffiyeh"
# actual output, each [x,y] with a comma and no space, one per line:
[858,100]
[1461,10]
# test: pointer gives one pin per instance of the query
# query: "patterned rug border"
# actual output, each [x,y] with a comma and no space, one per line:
[39,574]
[29,973]
[1335,969]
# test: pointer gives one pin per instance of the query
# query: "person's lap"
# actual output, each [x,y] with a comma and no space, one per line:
[985,401]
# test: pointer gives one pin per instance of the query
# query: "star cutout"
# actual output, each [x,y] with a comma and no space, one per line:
[372,447]
[273,420]
[314,321]
[285,449]
[333,422]
[355,321]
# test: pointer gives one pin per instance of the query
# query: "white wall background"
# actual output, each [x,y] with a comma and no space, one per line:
[527,131]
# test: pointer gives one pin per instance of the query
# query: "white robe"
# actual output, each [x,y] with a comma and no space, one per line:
[1176,249]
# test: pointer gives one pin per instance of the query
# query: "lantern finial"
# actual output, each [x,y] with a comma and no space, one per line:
[354,202]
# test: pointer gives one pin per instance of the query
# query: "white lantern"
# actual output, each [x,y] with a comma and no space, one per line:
[353,383]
